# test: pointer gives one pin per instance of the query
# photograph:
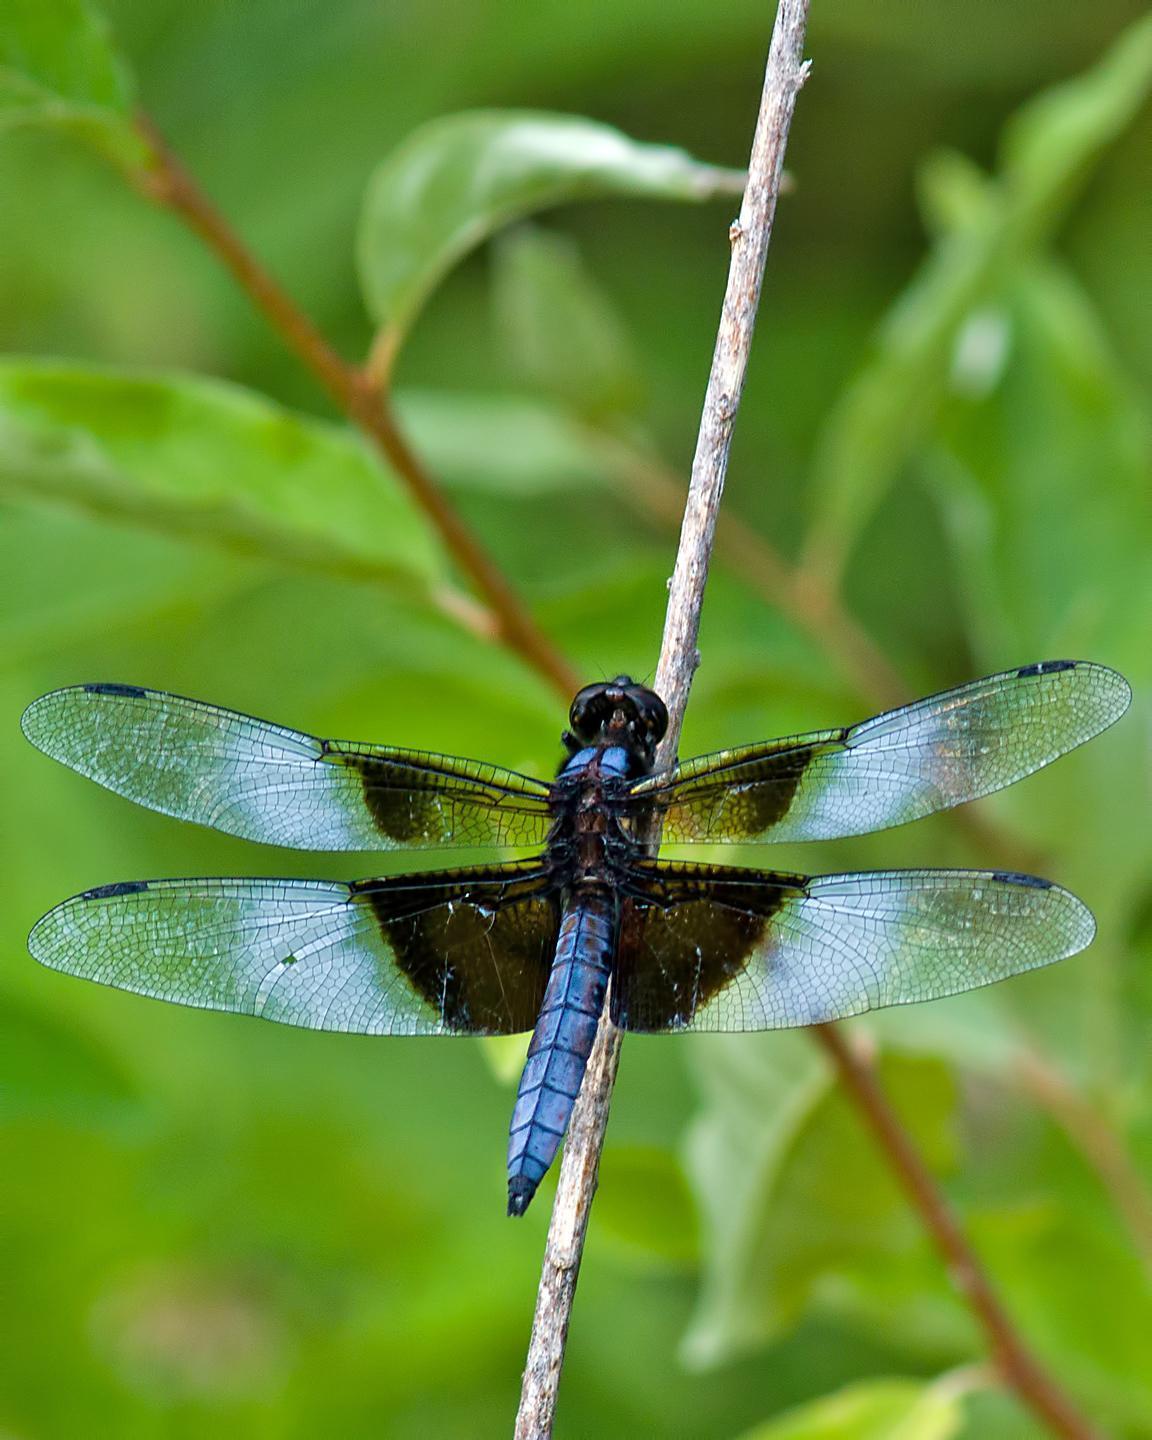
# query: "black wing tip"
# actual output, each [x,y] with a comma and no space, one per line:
[520,1193]
[1058,667]
[1017,877]
[111,687]
[1047,667]
[117,887]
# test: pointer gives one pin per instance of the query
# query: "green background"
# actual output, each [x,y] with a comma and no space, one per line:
[210,1226]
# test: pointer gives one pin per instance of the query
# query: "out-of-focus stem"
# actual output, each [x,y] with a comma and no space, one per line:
[361,398]
[1018,1368]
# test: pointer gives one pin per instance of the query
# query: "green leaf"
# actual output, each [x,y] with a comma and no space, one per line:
[1044,484]
[561,330]
[1092,1318]
[954,193]
[58,68]
[95,590]
[512,445]
[799,1205]
[457,181]
[203,458]
[645,1208]
[878,421]
[873,1410]
[758,1093]
[1052,142]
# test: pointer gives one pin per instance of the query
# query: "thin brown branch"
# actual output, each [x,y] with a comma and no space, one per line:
[750,235]
[381,359]
[1017,1366]
[360,398]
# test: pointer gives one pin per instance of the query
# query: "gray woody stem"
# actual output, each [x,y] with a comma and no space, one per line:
[785,74]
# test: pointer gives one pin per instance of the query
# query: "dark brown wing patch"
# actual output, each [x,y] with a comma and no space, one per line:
[415,799]
[476,945]
[682,944]
[738,795]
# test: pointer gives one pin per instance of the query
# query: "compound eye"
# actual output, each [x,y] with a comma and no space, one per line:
[586,716]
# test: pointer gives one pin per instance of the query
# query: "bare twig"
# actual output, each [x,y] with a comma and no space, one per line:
[750,234]
[169,184]
[1017,1367]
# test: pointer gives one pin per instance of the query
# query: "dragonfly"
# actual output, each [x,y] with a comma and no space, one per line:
[593,919]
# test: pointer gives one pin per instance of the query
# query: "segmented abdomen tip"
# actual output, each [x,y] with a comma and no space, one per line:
[520,1193]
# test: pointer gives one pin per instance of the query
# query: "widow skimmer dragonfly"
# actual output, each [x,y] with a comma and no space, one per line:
[539,943]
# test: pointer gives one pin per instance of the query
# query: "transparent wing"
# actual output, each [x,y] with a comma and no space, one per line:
[720,948]
[897,767]
[463,952]
[264,782]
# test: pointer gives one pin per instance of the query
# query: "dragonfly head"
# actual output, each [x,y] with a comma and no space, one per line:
[619,712]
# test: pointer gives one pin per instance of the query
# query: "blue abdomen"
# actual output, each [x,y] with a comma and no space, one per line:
[561,1042]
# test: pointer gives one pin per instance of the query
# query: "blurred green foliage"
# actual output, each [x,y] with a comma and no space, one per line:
[214,1227]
